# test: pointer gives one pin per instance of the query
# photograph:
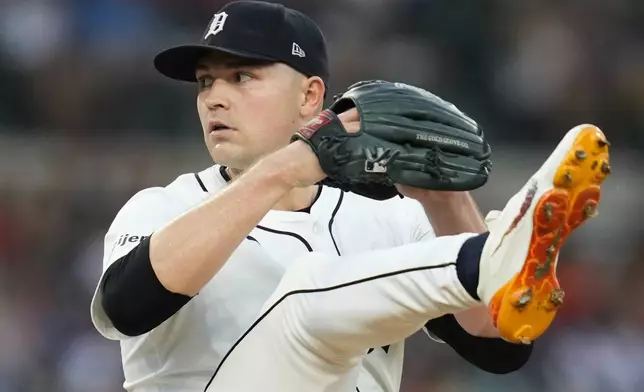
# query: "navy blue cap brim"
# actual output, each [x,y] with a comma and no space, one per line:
[180,62]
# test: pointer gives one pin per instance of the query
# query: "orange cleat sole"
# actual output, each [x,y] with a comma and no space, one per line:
[524,308]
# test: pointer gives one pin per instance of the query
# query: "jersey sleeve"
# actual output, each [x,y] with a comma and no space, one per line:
[144,213]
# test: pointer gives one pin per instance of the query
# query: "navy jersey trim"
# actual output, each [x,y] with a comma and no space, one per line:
[335,211]
[224,173]
[317,196]
[201,184]
[318,290]
[288,233]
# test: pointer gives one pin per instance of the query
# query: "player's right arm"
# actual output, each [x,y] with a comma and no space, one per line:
[157,259]
[189,251]
[146,286]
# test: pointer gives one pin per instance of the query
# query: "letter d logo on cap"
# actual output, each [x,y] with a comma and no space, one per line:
[217,24]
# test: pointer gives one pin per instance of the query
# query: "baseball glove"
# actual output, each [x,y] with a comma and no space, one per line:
[407,136]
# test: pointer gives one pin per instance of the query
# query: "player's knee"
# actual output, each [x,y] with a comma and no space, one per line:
[300,293]
[305,272]
[298,280]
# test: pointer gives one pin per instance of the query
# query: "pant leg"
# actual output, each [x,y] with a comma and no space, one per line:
[328,311]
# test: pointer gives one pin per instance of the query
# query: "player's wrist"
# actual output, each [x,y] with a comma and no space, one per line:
[272,174]
[292,166]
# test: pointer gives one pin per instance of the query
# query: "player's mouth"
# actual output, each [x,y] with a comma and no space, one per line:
[215,126]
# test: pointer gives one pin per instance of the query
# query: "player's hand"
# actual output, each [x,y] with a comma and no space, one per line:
[351,120]
[299,164]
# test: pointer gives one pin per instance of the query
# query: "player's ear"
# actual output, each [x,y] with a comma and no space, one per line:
[313,97]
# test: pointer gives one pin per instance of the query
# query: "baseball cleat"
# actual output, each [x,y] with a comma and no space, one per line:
[518,278]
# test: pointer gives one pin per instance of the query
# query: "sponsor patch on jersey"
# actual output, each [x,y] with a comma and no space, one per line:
[130,239]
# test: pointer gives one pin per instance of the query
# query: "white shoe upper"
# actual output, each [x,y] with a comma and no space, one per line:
[504,254]
[491,218]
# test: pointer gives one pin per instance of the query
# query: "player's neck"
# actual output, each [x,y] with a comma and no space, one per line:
[297,199]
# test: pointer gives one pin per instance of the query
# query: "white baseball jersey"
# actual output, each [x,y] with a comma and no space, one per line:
[182,353]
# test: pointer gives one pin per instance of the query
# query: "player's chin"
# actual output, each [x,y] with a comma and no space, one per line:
[221,152]
[227,154]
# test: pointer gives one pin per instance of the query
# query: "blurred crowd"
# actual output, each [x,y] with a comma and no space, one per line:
[85,122]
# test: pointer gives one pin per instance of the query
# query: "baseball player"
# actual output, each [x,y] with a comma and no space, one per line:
[251,275]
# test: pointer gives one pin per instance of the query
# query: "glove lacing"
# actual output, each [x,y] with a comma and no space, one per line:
[433,165]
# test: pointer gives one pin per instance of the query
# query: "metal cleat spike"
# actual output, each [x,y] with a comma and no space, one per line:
[590,211]
[524,299]
[605,168]
[547,208]
[581,155]
[557,297]
[550,251]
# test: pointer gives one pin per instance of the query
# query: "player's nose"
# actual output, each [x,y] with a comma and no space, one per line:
[218,96]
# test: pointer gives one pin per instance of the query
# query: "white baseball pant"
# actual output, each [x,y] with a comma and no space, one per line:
[328,311]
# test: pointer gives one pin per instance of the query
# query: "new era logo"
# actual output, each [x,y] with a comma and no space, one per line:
[297,51]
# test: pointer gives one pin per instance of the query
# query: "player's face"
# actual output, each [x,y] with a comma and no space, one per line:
[247,109]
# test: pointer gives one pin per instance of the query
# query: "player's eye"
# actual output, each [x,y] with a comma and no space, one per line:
[242,77]
[204,82]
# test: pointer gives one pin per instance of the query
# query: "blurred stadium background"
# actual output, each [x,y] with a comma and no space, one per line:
[85,122]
